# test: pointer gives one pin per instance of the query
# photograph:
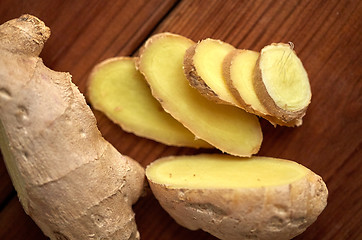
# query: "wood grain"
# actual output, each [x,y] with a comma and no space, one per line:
[327,36]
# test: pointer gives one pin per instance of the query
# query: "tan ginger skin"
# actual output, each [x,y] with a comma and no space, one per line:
[278,212]
[72,182]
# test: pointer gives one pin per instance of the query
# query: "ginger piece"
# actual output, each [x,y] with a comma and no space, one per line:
[203,68]
[228,128]
[281,83]
[69,179]
[119,90]
[238,70]
[261,197]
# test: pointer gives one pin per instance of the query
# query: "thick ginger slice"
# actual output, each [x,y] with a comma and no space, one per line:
[238,198]
[203,68]
[281,83]
[69,179]
[228,128]
[116,88]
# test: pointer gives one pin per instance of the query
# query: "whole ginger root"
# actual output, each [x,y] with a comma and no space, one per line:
[69,179]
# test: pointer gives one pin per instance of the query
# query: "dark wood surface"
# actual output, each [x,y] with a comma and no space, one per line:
[327,36]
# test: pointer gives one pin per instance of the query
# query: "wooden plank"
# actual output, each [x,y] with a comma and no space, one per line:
[327,37]
[6,188]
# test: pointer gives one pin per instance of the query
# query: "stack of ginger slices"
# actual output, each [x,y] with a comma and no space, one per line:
[202,95]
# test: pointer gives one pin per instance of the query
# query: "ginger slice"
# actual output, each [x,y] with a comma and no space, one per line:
[116,88]
[238,198]
[238,69]
[228,128]
[281,83]
[203,68]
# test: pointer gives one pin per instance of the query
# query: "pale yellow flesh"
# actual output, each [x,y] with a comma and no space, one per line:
[121,92]
[207,171]
[241,75]
[228,128]
[208,59]
[284,77]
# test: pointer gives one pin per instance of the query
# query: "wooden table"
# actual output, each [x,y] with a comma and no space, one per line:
[327,36]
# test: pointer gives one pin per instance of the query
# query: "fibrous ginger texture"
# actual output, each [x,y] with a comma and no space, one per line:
[116,88]
[238,198]
[228,128]
[72,182]
[281,83]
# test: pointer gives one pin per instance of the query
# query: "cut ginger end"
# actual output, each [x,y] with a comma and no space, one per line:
[282,83]
[196,190]
[209,171]
[117,89]
[227,128]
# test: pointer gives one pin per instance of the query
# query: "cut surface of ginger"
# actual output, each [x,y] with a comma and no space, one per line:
[117,89]
[239,68]
[203,63]
[228,128]
[214,171]
[284,77]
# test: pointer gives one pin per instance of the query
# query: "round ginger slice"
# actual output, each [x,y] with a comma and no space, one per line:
[226,127]
[236,198]
[281,83]
[120,91]
[203,69]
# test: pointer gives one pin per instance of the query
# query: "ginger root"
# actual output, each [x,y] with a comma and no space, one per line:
[69,179]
